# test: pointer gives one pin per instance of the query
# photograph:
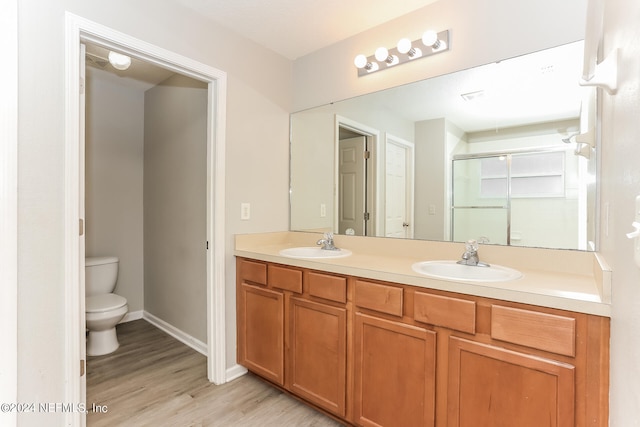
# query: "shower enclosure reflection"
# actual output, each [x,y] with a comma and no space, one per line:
[523,199]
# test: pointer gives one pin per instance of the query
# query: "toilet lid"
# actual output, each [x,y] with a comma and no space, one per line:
[104,302]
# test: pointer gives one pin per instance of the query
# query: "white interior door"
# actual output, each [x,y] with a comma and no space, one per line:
[398,188]
[352,188]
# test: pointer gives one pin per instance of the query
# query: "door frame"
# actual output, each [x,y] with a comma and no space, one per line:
[375,204]
[77,30]
[9,210]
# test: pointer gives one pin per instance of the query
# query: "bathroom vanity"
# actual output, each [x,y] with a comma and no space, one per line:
[372,342]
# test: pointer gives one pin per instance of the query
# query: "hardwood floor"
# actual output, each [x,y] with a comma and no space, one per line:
[155,380]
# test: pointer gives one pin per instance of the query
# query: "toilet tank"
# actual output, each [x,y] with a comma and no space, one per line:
[101,274]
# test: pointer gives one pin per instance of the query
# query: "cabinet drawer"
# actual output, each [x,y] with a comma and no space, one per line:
[284,278]
[452,313]
[383,298]
[542,331]
[328,287]
[252,271]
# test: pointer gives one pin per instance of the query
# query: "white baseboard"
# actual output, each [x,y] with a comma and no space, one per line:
[236,371]
[181,336]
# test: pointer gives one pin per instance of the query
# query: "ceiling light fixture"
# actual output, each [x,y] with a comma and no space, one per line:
[405,51]
[119,61]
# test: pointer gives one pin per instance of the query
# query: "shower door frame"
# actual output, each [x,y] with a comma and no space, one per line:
[507,205]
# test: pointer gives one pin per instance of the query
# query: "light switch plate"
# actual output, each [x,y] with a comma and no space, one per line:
[245,211]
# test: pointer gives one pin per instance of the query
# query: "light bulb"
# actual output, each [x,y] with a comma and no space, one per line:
[404,45]
[382,54]
[430,38]
[360,61]
[119,61]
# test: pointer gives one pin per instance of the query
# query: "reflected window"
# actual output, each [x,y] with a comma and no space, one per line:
[532,175]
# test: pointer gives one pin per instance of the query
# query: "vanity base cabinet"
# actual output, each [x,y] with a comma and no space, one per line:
[375,353]
[394,373]
[493,386]
[292,331]
[261,336]
[318,363]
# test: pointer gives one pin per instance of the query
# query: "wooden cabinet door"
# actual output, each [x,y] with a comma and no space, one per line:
[494,387]
[261,331]
[394,373]
[318,354]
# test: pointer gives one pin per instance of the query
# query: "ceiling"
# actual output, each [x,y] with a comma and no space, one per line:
[270,23]
[294,28]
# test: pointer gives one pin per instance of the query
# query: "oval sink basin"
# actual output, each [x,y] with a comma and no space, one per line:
[314,252]
[451,270]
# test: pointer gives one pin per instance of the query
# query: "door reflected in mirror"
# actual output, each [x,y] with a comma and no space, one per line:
[502,153]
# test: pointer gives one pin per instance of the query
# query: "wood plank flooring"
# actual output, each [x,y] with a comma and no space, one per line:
[155,380]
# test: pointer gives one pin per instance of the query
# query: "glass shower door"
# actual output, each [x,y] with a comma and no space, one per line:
[481,203]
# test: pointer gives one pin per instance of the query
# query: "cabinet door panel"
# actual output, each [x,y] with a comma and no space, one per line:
[261,338]
[318,354]
[492,386]
[394,373]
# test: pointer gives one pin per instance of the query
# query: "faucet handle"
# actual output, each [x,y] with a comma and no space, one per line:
[471,245]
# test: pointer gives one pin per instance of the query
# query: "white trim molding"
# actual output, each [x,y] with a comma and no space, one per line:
[178,334]
[236,371]
[9,210]
[79,30]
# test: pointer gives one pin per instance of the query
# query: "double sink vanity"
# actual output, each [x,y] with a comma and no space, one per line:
[389,332]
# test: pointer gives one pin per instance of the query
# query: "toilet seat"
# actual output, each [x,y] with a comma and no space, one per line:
[104,302]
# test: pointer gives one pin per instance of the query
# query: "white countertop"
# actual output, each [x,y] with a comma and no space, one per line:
[569,280]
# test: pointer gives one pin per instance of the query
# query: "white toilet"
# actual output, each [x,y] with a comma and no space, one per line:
[104,309]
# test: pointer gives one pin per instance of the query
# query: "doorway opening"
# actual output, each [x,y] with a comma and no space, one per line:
[356,169]
[78,31]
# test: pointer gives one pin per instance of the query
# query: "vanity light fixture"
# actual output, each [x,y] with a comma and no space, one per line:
[119,61]
[405,51]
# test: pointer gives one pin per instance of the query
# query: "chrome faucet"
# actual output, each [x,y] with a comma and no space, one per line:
[327,242]
[470,255]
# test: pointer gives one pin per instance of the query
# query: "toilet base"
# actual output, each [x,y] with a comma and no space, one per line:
[100,343]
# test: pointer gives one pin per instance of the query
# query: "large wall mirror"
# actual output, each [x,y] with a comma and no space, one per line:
[504,153]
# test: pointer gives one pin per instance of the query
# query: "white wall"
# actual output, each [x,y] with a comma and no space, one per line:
[259,101]
[114,188]
[430,179]
[620,186]
[175,208]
